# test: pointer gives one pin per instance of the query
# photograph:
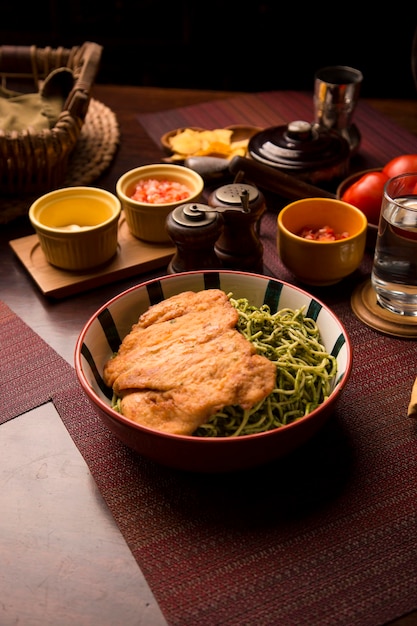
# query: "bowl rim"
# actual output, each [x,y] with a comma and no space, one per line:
[207,441]
[145,169]
[71,192]
[349,180]
[309,242]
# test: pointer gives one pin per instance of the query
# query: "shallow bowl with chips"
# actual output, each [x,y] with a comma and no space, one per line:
[147,221]
[104,331]
[227,142]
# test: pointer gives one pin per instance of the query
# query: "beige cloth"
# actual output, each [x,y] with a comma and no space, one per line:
[37,111]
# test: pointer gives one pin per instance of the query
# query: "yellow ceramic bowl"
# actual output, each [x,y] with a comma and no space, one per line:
[315,262]
[146,221]
[77,226]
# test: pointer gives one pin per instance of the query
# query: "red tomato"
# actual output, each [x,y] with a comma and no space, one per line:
[366,194]
[403,164]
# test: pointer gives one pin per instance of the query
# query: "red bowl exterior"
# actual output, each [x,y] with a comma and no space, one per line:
[199,454]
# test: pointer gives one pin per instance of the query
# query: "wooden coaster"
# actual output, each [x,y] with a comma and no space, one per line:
[365,306]
[133,257]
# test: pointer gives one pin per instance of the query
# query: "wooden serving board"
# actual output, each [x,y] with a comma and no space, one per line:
[133,256]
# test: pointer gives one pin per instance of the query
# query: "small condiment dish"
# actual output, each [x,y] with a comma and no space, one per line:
[77,227]
[321,262]
[146,220]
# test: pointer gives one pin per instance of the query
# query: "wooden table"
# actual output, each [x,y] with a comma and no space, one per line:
[63,559]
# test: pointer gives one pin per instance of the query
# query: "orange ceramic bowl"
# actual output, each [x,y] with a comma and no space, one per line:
[96,344]
[321,263]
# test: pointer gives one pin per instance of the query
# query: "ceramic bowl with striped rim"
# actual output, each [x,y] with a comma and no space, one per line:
[104,331]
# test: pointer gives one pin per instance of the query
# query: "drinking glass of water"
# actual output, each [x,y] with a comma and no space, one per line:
[394,272]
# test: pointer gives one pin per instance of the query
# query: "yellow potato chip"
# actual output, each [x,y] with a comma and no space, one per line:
[219,135]
[186,142]
[217,142]
[216,147]
[176,157]
[238,152]
[237,145]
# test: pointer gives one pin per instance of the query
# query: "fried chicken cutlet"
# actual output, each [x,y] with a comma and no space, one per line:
[184,360]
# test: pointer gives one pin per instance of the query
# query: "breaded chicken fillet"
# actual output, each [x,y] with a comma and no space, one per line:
[185,360]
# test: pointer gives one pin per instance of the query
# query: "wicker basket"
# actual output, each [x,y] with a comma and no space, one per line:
[36,162]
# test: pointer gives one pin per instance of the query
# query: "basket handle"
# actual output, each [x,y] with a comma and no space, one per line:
[16,62]
[31,62]
[79,97]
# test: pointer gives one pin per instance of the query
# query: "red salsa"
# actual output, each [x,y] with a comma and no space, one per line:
[321,234]
[154,191]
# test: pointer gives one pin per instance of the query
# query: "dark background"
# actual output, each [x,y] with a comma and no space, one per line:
[229,45]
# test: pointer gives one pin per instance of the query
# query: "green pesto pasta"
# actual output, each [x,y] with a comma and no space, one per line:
[305,371]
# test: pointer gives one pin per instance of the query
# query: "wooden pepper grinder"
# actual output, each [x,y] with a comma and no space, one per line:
[239,247]
[194,228]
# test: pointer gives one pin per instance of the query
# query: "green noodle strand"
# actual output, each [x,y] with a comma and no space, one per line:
[305,371]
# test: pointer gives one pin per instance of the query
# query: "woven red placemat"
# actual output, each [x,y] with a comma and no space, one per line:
[326,536]
[381,140]
[30,371]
